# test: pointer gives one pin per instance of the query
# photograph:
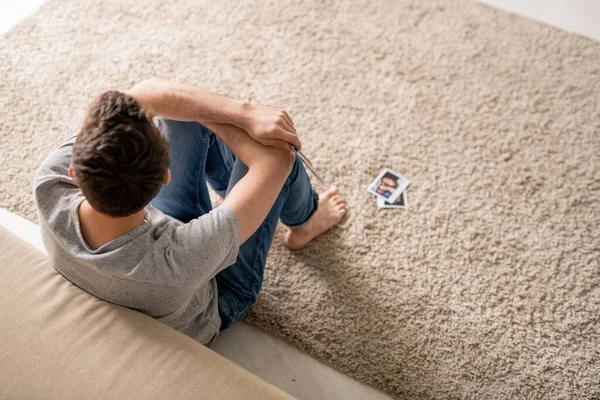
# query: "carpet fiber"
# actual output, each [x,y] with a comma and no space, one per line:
[488,285]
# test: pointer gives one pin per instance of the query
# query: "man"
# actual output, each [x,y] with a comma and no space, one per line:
[388,185]
[125,213]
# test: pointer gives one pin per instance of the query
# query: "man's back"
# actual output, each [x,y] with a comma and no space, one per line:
[163,268]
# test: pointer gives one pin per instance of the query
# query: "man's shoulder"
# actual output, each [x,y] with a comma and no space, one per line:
[56,163]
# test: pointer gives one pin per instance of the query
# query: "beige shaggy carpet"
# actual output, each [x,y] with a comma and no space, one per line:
[488,285]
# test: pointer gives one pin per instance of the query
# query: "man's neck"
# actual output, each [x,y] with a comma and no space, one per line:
[98,229]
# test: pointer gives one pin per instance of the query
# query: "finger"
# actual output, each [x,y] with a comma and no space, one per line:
[284,145]
[288,118]
[286,125]
[281,144]
[291,138]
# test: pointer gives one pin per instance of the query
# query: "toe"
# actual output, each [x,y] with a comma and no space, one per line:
[340,201]
[332,191]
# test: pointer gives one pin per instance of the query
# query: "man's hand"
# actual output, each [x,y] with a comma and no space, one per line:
[271,127]
[267,125]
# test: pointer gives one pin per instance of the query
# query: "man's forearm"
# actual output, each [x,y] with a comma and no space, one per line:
[268,168]
[185,102]
[242,146]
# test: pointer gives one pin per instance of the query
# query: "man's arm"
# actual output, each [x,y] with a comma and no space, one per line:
[268,168]
[185,102]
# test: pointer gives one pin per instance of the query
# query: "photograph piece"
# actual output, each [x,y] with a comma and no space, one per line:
[399,203]
[388,185]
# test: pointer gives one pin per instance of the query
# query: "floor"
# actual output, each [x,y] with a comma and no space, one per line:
[579,16]
[268,357]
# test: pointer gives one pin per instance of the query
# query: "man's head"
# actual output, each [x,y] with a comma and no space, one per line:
[389,180]
[120,159]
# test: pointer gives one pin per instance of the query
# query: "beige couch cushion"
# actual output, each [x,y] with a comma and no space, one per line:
[59,342]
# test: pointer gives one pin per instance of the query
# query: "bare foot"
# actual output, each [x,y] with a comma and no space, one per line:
[332,207]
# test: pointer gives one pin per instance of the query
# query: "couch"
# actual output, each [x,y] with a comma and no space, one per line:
[59,342]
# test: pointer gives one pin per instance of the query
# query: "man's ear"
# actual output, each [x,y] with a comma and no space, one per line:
[167,177]
[71,172]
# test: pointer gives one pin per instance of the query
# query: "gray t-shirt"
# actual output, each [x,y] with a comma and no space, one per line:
[164,268]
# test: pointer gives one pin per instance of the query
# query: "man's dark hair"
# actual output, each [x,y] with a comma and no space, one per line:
[120,158]
[391,176]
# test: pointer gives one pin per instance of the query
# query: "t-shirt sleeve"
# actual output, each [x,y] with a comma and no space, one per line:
[52,184]
[206,245]
[57,162]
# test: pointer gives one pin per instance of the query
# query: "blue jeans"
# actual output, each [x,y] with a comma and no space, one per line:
[199,157]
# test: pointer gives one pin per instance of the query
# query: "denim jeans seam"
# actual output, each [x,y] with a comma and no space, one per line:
[255,262]
[294,172]
[229,168]
[232,305]
[219,144]
[199,174]
[260,242]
